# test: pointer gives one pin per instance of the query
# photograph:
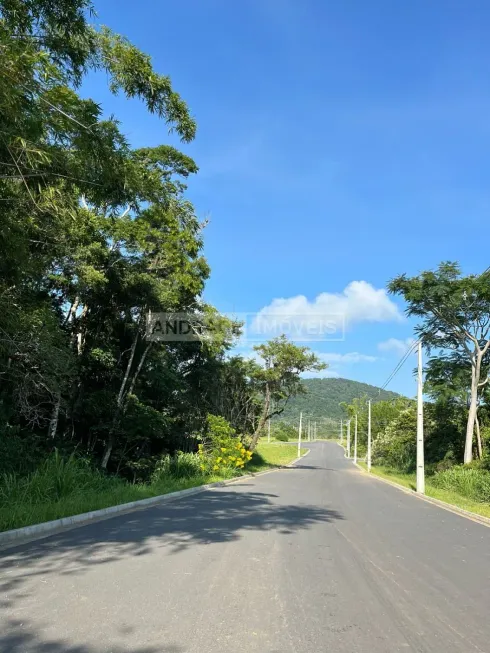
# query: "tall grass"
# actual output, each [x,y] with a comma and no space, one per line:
[57,477]
[469,482]
[182,465]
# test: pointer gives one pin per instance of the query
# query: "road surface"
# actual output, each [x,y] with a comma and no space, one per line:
[315,558]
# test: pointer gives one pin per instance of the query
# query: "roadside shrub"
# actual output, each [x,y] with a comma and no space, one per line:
[282,437]
[283,429]
[221,450]
[182,465]
[448,462]
[396,446]
[19,454]
[468,481]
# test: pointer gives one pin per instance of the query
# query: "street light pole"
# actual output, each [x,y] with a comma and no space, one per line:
[369,437]
[299,434]
[420,425]
[355,440]
[348,439]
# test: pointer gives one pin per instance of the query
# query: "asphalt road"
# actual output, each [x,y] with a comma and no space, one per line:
[310,559]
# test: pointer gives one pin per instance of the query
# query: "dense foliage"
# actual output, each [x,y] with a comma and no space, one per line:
[454,314]
[95,236]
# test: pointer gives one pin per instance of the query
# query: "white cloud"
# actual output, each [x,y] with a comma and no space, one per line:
[338,362]
[358,302]
[395,345]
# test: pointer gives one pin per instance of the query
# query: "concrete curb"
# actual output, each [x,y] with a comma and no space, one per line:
[45,529]
[480,519]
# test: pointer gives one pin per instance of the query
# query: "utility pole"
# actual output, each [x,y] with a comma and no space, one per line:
[341,430]
[369,437]
[420,425]
[299,434]
[355,440]
[348,439]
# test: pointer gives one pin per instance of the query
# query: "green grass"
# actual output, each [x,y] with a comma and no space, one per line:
[18,514]
[442,494]
[65,487]
[273,455]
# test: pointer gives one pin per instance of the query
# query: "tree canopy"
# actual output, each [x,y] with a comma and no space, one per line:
[96,235]
[455,318]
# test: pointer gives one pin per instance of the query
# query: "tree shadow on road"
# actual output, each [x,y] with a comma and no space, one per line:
[18,637]
[211,518]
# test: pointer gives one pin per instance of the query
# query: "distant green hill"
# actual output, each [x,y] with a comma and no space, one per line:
[324,396]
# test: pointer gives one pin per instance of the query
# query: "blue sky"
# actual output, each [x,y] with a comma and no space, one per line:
[338,142]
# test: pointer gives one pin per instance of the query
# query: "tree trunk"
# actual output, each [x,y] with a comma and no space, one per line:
[108,449]
[263,418]
[72,312]
[470,425]
[478,438]
[138,369]
[53,424]
[79,336]
[111,439]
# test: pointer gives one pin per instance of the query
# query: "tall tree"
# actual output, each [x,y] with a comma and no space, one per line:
[455,312]
[94,234]
[280,376]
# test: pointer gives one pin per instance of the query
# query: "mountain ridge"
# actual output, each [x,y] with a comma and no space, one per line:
[324,396]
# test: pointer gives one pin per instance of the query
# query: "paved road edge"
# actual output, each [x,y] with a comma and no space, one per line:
[485,521]
[45,529]
[435,502]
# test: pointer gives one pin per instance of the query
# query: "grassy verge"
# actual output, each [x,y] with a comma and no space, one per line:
[15,514]
[61,489]
[273,455]
[449,496]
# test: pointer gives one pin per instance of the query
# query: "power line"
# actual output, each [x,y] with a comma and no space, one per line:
[400,364]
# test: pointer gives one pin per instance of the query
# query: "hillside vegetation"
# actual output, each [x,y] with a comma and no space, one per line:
[323,398]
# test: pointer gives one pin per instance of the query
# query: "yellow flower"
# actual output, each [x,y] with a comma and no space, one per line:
[203,467]
[215,468]
[219,459]
[223,449]
[239,446]
[231,458]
